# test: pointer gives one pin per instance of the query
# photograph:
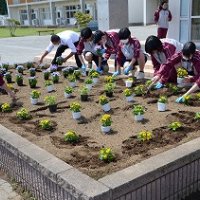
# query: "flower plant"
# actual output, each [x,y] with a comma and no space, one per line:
[5,66]
[55,77]
[32,71]
[187,99]
[71,137]
[106,155]
[23,114]
[198,95]
[175,125]
[29,65]
[103,100]
[138,110]
[50,100]
[109,87]
[162,99]
[46,74]
[48,83]
[144,135]
[128,92]
[59,60]
[181,72]
[19,77]
[8,77]
[71,78]
[94,74]
[173,88]
[109,79]
[77,74]
[106,120]
[45,124]
[75,107]
[148,83]
[32,82]
[35,94]
[6,107]
[88,81]
[139,90]
[20,68]
[69,90]
[197,116]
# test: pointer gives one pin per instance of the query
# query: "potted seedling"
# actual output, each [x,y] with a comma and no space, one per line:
[49,85]
[20,69]
[59,60]
[46,124]
[72,80]
[181,74]
[138,111]
[88,83]
[84,93]
[162,103]
[173,88]
[30,65]
[129,82]
[46,74]
[175,125]
[128,94]
[32,71]
[104,103]
[6,107]
[32,82]
[148,83]
[35,96]
[110,79]
[95,77]
[5,66]
[68,92]
[8,77]
[55,77]
[144,136]
[65,72]
[19,79]
[106,123]
[109,87]
[23,114]
[71,137]
[75,108]
[106,155]
[51,102]
[139,90]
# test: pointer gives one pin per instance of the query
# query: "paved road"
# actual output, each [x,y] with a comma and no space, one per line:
[24,49]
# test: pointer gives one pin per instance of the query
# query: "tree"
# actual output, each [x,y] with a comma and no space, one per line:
[3,7]
[82,19]
[12,25]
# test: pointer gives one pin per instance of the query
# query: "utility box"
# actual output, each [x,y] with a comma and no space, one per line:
[112,14]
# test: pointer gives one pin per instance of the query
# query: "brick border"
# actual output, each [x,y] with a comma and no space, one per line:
[171,174]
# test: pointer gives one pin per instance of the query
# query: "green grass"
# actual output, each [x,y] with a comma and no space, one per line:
[4,32]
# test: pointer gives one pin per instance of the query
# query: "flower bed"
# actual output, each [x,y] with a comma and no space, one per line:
[122,138]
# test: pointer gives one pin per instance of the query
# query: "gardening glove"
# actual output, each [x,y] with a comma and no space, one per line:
[99,70]
[159,85]
[116,73]
[127,69]
[180,99]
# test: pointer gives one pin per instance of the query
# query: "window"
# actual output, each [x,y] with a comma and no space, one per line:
[195,8]
[71,10]
[45,13]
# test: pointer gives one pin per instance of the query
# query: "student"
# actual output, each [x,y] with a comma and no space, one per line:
[189,59]
[106,44]
[160,50]
[64,40]
[162,16]
[129,49]
[86,47]
[6,88]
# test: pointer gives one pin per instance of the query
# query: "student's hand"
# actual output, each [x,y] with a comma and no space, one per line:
[180,99]
[127,69]
[116,73]
[159,85]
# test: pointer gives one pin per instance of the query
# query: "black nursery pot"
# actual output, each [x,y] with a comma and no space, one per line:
[84,97]
[20,82]
[32,85]
[109,94]
[53,108]
[9,80]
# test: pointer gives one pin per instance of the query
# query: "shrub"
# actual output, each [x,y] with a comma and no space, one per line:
[144,136]
[12,25]
[106,155]
[71,137]
[82,19]
[175,125]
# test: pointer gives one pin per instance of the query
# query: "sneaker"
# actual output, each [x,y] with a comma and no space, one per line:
[140,75]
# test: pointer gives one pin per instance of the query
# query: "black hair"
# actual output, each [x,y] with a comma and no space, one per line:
[86,33]
[55,38]
[153,43]
[124,33]
[97,36]
[188,49]
[162,2]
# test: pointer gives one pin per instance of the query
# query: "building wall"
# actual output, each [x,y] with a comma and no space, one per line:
[135,11]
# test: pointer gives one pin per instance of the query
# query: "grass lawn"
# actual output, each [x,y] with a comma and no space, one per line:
[4,32]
